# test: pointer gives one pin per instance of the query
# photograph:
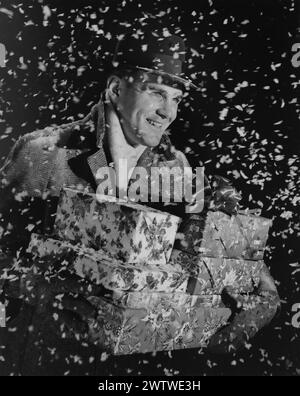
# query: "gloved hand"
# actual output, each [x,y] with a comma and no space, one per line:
[224,196]
[250,313]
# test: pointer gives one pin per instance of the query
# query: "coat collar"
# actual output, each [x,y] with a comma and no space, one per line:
[101,158]
[98,157]
[86,164]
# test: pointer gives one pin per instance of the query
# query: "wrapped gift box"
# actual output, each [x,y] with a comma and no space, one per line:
[151,310]
[164,301]
[211,275]
[186,273]
[103,269]
[216,234]
[123,331]
[153,300]
[115,275]
[130,232]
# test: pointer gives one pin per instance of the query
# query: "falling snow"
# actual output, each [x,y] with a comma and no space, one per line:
[243,124]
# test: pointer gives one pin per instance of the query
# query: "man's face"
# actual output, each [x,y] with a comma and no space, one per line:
[146,110]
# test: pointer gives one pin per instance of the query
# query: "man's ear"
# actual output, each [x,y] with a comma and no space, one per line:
[113,87]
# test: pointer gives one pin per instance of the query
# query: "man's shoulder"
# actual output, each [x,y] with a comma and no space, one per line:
[43,138]
[52,138]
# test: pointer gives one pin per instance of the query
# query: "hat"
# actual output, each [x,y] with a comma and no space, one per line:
[159,54]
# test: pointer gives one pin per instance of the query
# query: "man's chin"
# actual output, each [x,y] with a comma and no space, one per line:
[151,140]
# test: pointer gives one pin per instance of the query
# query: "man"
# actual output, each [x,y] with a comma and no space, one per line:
[130,121]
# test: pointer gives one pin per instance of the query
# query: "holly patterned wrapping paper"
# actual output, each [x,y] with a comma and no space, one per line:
[124,331]
[216,234]
[128,231]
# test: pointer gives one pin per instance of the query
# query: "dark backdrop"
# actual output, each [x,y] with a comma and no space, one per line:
[243,124]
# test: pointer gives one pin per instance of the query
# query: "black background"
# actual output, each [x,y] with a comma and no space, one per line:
[243,124]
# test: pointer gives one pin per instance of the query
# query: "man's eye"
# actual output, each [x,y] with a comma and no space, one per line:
[157,93]
[177,100]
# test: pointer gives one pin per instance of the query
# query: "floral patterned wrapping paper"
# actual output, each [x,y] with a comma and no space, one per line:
[211,275]
[186,273]
[150,310]
[123,331]
[216,234]
[119,276]
[145,300]
[131,232]
[103,269]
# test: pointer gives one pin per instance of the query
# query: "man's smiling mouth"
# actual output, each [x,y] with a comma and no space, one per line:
[155,124]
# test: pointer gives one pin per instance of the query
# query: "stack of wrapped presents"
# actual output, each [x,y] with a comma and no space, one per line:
[165,278]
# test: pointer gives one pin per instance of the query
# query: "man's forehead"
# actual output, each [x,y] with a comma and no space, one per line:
[164,88]
[151,81]
[155,80]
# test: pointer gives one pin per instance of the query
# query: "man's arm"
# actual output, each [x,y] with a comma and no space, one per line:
[253,312]
[22,207]
[24,193]
[18,212]
[11,178]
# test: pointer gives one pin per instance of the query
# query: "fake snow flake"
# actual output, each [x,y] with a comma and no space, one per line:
[42,66]
[223,114]
[76,359]
[279,157]
[230,95]
[286,215]
[30,227]
[19,196]
[236,174]
[47,12]
[214,75]
[7,12]
[241,131]
[243,175]
[194,52]
[104,357]
[275,66]
[295,201]
[104,10]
